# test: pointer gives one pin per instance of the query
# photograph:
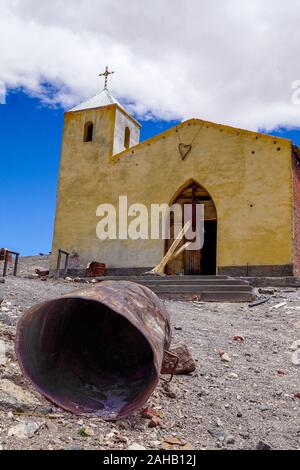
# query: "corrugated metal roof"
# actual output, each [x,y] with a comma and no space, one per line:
[104,98]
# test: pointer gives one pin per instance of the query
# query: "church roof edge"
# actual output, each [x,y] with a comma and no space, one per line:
[101,100]
[207,123]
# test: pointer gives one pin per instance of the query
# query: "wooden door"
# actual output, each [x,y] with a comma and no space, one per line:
[192,262]
[192,258]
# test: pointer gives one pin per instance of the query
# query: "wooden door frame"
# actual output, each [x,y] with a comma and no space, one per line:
[176,196]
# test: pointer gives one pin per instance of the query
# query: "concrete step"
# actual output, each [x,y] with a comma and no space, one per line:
[209,288]
[197,288]
[192,282]
[161,278]
[216,296]
[177,280]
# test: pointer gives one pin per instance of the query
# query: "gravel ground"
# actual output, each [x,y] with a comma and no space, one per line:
[231,405]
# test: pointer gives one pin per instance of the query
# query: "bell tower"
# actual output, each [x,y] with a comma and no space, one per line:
[126,131]
[94,131]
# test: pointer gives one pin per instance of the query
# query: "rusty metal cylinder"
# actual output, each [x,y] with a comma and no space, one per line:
[96,351]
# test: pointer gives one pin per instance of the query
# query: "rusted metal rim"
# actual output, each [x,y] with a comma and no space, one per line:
[63,346]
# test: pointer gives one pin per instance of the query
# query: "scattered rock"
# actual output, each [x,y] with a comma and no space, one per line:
[217,432]
[266,290]
[149,413]
[11,395]
[295,345]
[232,375]
[121,439]
[89,432]
[187,446]
[239,338]
[3,350]
[185,365]
[55,416]
[171,390]
[295,348]
[224,356]
[31,276]
[123,425]
[24,430]
[72,447]
[229,440]
[41,272]
[297,395]
[166,446]
[263,446]
[136,446]
[154,444]
[196,297]
[51,426]
[296,358]
[4,309]
[174,441]
[154,422]
[264,408]
[282,372]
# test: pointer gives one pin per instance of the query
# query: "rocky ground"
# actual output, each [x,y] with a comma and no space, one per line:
[244,394]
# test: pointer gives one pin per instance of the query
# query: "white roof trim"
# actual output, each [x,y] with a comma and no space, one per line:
[101,100]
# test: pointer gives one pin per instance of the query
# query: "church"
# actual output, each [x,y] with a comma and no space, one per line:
[248,182]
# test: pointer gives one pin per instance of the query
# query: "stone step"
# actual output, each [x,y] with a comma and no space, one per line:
[216,296]
[209,288]
[195,289]
[161,278]
[177,280]
[192,282]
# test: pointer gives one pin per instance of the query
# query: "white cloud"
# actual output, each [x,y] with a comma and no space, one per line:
[228,61]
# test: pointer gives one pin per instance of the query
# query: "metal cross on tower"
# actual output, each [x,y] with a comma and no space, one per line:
[106,75]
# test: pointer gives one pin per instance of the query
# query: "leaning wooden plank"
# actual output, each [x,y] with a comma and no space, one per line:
[159,269]
[181,249]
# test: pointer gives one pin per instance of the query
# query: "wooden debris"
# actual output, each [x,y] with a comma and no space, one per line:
[282,304]
[172,253]
[256,303]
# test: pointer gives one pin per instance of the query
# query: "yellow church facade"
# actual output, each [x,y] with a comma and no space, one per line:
[247,181]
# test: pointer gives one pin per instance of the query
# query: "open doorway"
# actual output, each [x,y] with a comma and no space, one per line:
[203,261]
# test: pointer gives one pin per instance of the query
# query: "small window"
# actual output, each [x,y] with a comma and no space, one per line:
[127,138]
[88,132]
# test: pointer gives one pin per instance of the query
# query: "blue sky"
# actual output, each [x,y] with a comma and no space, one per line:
[30,141]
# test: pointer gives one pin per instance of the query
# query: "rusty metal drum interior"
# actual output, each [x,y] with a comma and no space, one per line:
[96,351]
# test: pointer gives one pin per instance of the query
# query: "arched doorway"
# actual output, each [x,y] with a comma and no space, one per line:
[203,261]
